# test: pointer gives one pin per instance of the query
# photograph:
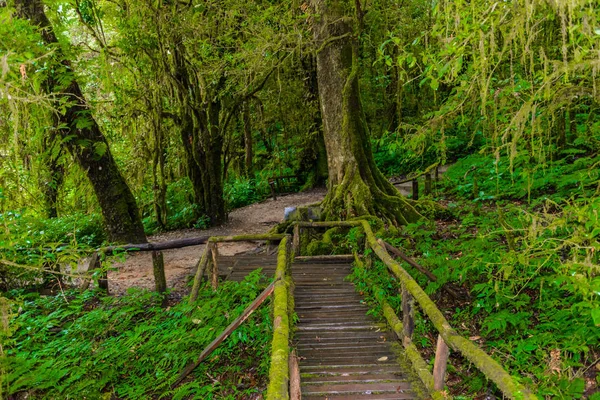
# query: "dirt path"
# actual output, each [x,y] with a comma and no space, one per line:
[136,270]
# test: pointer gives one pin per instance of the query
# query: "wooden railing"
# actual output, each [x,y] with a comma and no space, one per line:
[209,259]
[283,308]
[160,280]
[447,338]
[278,184]
[428,181]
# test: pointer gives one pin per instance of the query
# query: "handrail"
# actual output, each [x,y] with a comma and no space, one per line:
[279,374]
[486,364]
[209,256]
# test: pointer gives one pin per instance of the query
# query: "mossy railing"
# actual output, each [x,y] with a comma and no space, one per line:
[211,253]
[448,337]
[279,374]
[283,304]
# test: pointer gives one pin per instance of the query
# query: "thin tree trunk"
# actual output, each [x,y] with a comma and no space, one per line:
[87,143]
[248,145]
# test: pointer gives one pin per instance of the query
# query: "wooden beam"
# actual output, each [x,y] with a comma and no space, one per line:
[440,364]
[410,261]
[93,264]
[214,251]
[295,389]
[170,244]
[415,189]
[215,343]
[296,240]
[427,184]
[200,268]
[408,313]
[158,267]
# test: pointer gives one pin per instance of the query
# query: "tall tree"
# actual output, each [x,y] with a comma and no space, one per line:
[356,186]
[84,139]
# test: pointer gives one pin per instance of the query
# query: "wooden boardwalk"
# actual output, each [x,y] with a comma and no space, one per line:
[343,352]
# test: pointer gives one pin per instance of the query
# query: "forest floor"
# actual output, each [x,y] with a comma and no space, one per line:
[136,270]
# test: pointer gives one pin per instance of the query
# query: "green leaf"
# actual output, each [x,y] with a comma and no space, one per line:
[596,316]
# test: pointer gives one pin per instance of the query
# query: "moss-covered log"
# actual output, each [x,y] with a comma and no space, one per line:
[356,186]
[279,374]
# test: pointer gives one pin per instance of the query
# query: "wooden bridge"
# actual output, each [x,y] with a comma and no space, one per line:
[338,350]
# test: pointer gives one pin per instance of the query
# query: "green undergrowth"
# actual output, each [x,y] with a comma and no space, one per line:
[43,244]
[524,267]
[92,346]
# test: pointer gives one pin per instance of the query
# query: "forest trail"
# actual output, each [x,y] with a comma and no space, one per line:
[136,270]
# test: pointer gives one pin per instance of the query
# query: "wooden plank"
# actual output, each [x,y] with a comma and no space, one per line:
[170,244]
[440,364]
[336,257]
[295,390]
[215,343]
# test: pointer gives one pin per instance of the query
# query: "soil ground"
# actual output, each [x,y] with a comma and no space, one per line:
[136,270]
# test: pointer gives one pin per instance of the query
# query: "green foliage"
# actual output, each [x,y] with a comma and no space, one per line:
[83,345]
[241,192]
[574,175]
[44,244]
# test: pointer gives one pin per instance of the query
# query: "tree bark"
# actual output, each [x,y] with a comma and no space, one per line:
[248,145]
[356,186]
[86,141]
[202,137]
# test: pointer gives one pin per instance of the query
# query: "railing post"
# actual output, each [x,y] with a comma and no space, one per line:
[408,316]
[93,264]
[200,268]
[296,240]
[428,184]
[158,267]
[272,185]
[215,267]
[415,189]
[441,362]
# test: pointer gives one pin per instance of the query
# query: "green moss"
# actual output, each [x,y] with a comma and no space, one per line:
[319,248]
[280,350]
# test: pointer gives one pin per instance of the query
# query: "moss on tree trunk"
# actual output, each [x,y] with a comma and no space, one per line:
[356,186]
[84,139]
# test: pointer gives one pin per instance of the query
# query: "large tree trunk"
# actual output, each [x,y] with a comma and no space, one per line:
[356,187]
[202,139]
[87,143]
